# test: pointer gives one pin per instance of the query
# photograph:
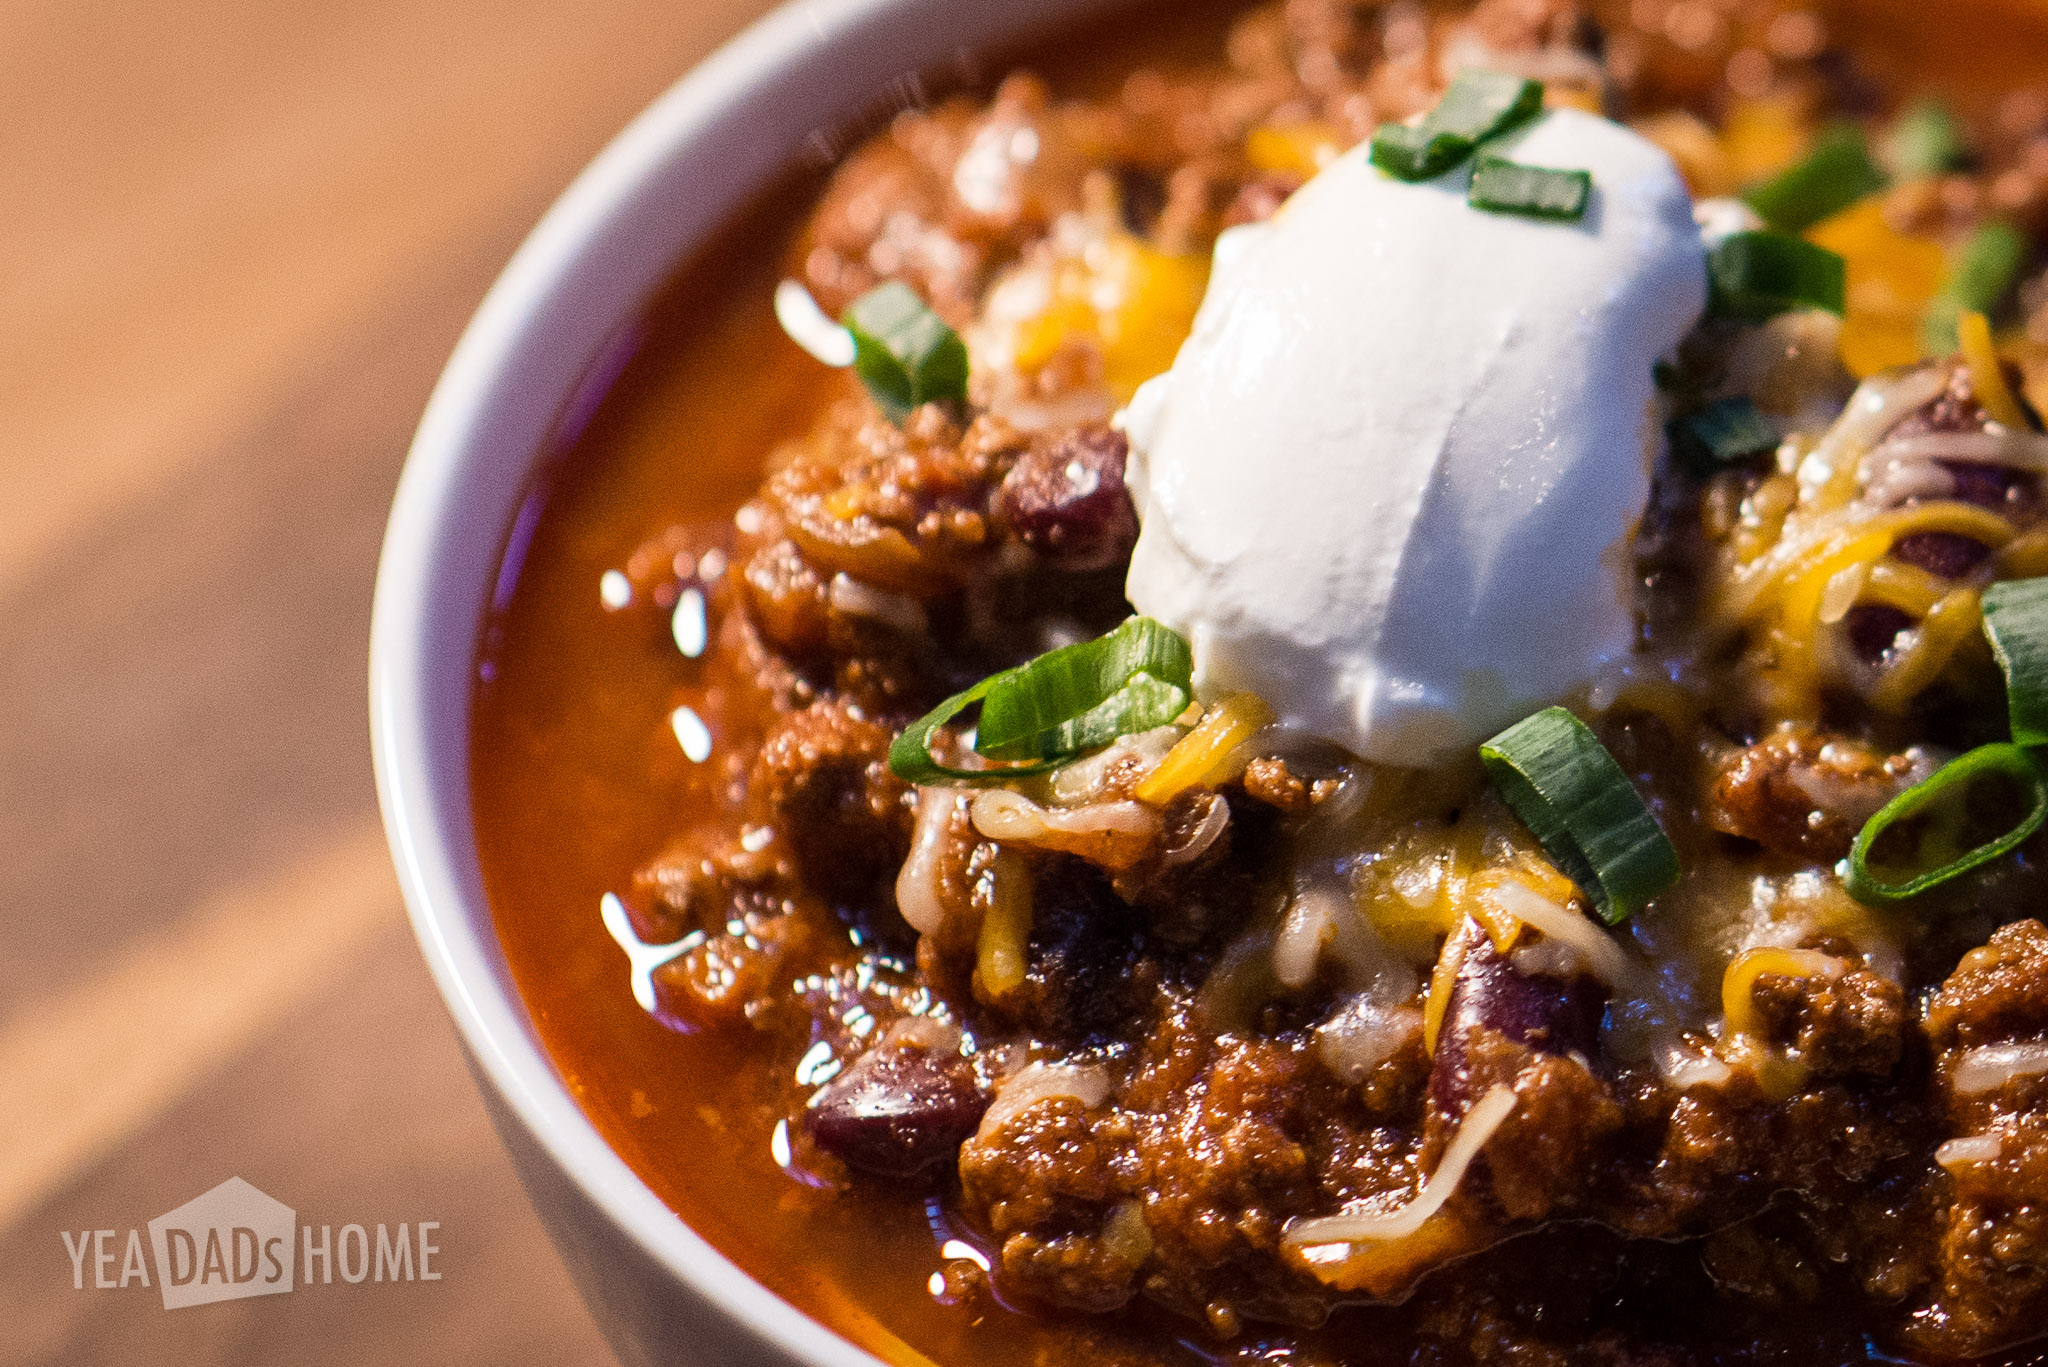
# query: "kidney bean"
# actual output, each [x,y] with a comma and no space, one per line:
[1872,628]
[1549,1015]
[897,1110]
[1947,554]
[1066,500]
[1987,486]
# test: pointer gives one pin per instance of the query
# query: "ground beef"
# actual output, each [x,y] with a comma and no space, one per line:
[1854,1024]
[823,774]
[1065,499]
[1259,1134]
[1997,993]
[1273,783]
[1200,901]
[883,216]
[903,510]
[1992,1284]
[1221,1140]
[700,882]
[737,973]
[1802,793]
[876,561]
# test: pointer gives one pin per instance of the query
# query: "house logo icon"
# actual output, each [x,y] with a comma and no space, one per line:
[229,1243]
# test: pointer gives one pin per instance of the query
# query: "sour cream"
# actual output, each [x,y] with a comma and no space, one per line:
[1391,480]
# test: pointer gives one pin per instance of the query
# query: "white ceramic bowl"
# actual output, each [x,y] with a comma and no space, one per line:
[660,1292]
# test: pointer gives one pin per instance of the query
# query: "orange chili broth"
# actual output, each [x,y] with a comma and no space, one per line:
[578,779]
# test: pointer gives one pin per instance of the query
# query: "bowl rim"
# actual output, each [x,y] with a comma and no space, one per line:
[425,806]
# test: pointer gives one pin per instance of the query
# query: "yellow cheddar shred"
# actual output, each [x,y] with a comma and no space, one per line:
[1440,984]
[1910,589]
[1738,983]
[1293,149]
[1134,303]
[1764,136]
[1893,277]
[1987,375]
[1000,953]
[1697,149]
[1948,626]
[1199,756]
[2025,557]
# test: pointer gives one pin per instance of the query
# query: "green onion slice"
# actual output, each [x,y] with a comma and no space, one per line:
[1719,435]
[903,352]
[1414,153]
[1984,273]
[2016,620]
[1479,105]
[1834,175]
[1754,276]
[1046,712]
[1506,187]
[1934,818]
[1927,141]
[1557,776]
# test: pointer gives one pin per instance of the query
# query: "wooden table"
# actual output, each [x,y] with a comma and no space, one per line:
[237,240]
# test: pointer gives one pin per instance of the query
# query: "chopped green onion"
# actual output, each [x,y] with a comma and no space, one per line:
[1934,816]
[903,352]
[1926,141]
[1834,175]
[1413,153]
[1066,701]
[1505,187]
[1719,435]
[1482,104]
[1479,105]
[1985,271]
[1557,776]
[1081,696]
[1755,276]
[2016,620]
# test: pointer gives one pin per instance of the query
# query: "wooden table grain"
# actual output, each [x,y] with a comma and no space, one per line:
[237,241]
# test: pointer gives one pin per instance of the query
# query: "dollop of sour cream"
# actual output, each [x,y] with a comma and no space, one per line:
[1391,481]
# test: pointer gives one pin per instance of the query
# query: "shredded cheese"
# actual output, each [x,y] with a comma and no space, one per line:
[1114,835]
[1441,981]
[919,898]
[1087,1083]
[1295,149]
[1976,1148]
[1600,954]
[1949,625]
[1842,591]
[1738,984]
[1987,375]
[1827,563]
[1827,476]
[1826,542]
[1990,1066]
[1360,1227]
[1309,924]
[2025,556]
[1000,953]
[1201,755]
[1910,589]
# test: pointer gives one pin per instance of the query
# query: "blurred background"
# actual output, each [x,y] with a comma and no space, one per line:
[238,239]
